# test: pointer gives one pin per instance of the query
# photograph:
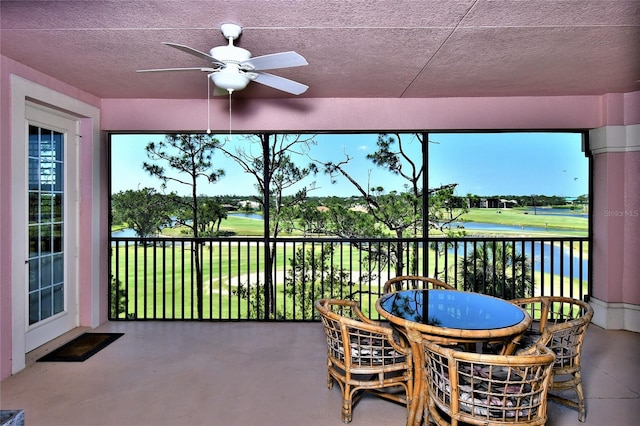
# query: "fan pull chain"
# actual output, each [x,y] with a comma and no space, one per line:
[230,92]
[208,105]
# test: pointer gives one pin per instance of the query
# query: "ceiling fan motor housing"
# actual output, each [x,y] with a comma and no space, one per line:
[230,54]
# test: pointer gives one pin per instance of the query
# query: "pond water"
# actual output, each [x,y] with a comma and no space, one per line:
[254,216]
[548,258]
[125,233]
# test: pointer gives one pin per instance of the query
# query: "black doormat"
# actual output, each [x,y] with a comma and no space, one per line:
[81,348]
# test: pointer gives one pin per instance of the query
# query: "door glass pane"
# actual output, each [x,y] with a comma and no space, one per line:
[58,264]
[46,277]
[57,207]
[46,224]
[34,307]
[34,203]
[56,238]
[45,239]
[58,299]
[34,239]
[46,302]
[34,275]
[57,175]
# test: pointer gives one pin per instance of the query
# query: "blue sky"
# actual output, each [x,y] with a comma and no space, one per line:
[481,163]
[510,163]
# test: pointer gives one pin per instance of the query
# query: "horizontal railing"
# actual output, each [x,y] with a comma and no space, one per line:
[157,278]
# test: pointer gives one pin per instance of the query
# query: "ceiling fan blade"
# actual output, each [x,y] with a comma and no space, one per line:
[274,61]
[280,83]
[180,69]
[197,53]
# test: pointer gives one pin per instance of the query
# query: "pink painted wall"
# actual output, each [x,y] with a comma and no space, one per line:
[616,205]
[631,250]
[631,108]
[616,216]
[5,225]
[573,112]
[620,109]
[608,197]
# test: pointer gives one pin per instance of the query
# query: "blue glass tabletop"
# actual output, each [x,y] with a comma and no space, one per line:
[452,309]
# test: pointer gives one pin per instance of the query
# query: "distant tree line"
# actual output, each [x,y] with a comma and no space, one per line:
[534,200]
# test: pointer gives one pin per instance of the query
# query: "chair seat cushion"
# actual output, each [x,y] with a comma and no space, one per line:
[370,351]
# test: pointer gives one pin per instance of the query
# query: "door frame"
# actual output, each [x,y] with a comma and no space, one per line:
[90,259]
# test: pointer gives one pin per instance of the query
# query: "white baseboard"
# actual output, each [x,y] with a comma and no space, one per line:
[616,316]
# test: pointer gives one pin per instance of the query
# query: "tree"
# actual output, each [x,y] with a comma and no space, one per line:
[188,157]
[496,269]
[145,211]
[582,201]
[210,215]
[118,302]
[312,277]
[444,209]
[311,217]
[218,214]
[275,173]
[399,212]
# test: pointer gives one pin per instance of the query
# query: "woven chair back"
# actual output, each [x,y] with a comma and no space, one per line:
[560,323]
[486,389]
[363,355]
[412,282]
[352,342]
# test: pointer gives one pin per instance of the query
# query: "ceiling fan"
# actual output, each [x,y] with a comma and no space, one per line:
[231,68]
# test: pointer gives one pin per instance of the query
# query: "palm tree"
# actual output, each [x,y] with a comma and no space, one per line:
[496,269]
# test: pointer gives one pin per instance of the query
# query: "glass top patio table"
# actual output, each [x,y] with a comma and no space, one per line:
[450,317]
[451,309]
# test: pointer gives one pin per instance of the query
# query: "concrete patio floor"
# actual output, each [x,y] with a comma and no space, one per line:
[245,374]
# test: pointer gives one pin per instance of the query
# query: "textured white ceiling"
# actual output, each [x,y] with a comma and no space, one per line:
[361,49]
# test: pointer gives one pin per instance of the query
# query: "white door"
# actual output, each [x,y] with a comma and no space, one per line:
[51,293]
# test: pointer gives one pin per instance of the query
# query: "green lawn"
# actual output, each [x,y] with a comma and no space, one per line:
[518,217]
[231,226]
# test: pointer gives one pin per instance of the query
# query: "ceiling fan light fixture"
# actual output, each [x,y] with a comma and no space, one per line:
[230,78]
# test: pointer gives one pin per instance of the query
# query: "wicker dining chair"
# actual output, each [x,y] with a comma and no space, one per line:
[560,323]
[363,355]
[409,282]
[483,389]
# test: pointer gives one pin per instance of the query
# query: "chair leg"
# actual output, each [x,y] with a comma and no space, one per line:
[329,376]
[574,384]
[347,404]
[582,410]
